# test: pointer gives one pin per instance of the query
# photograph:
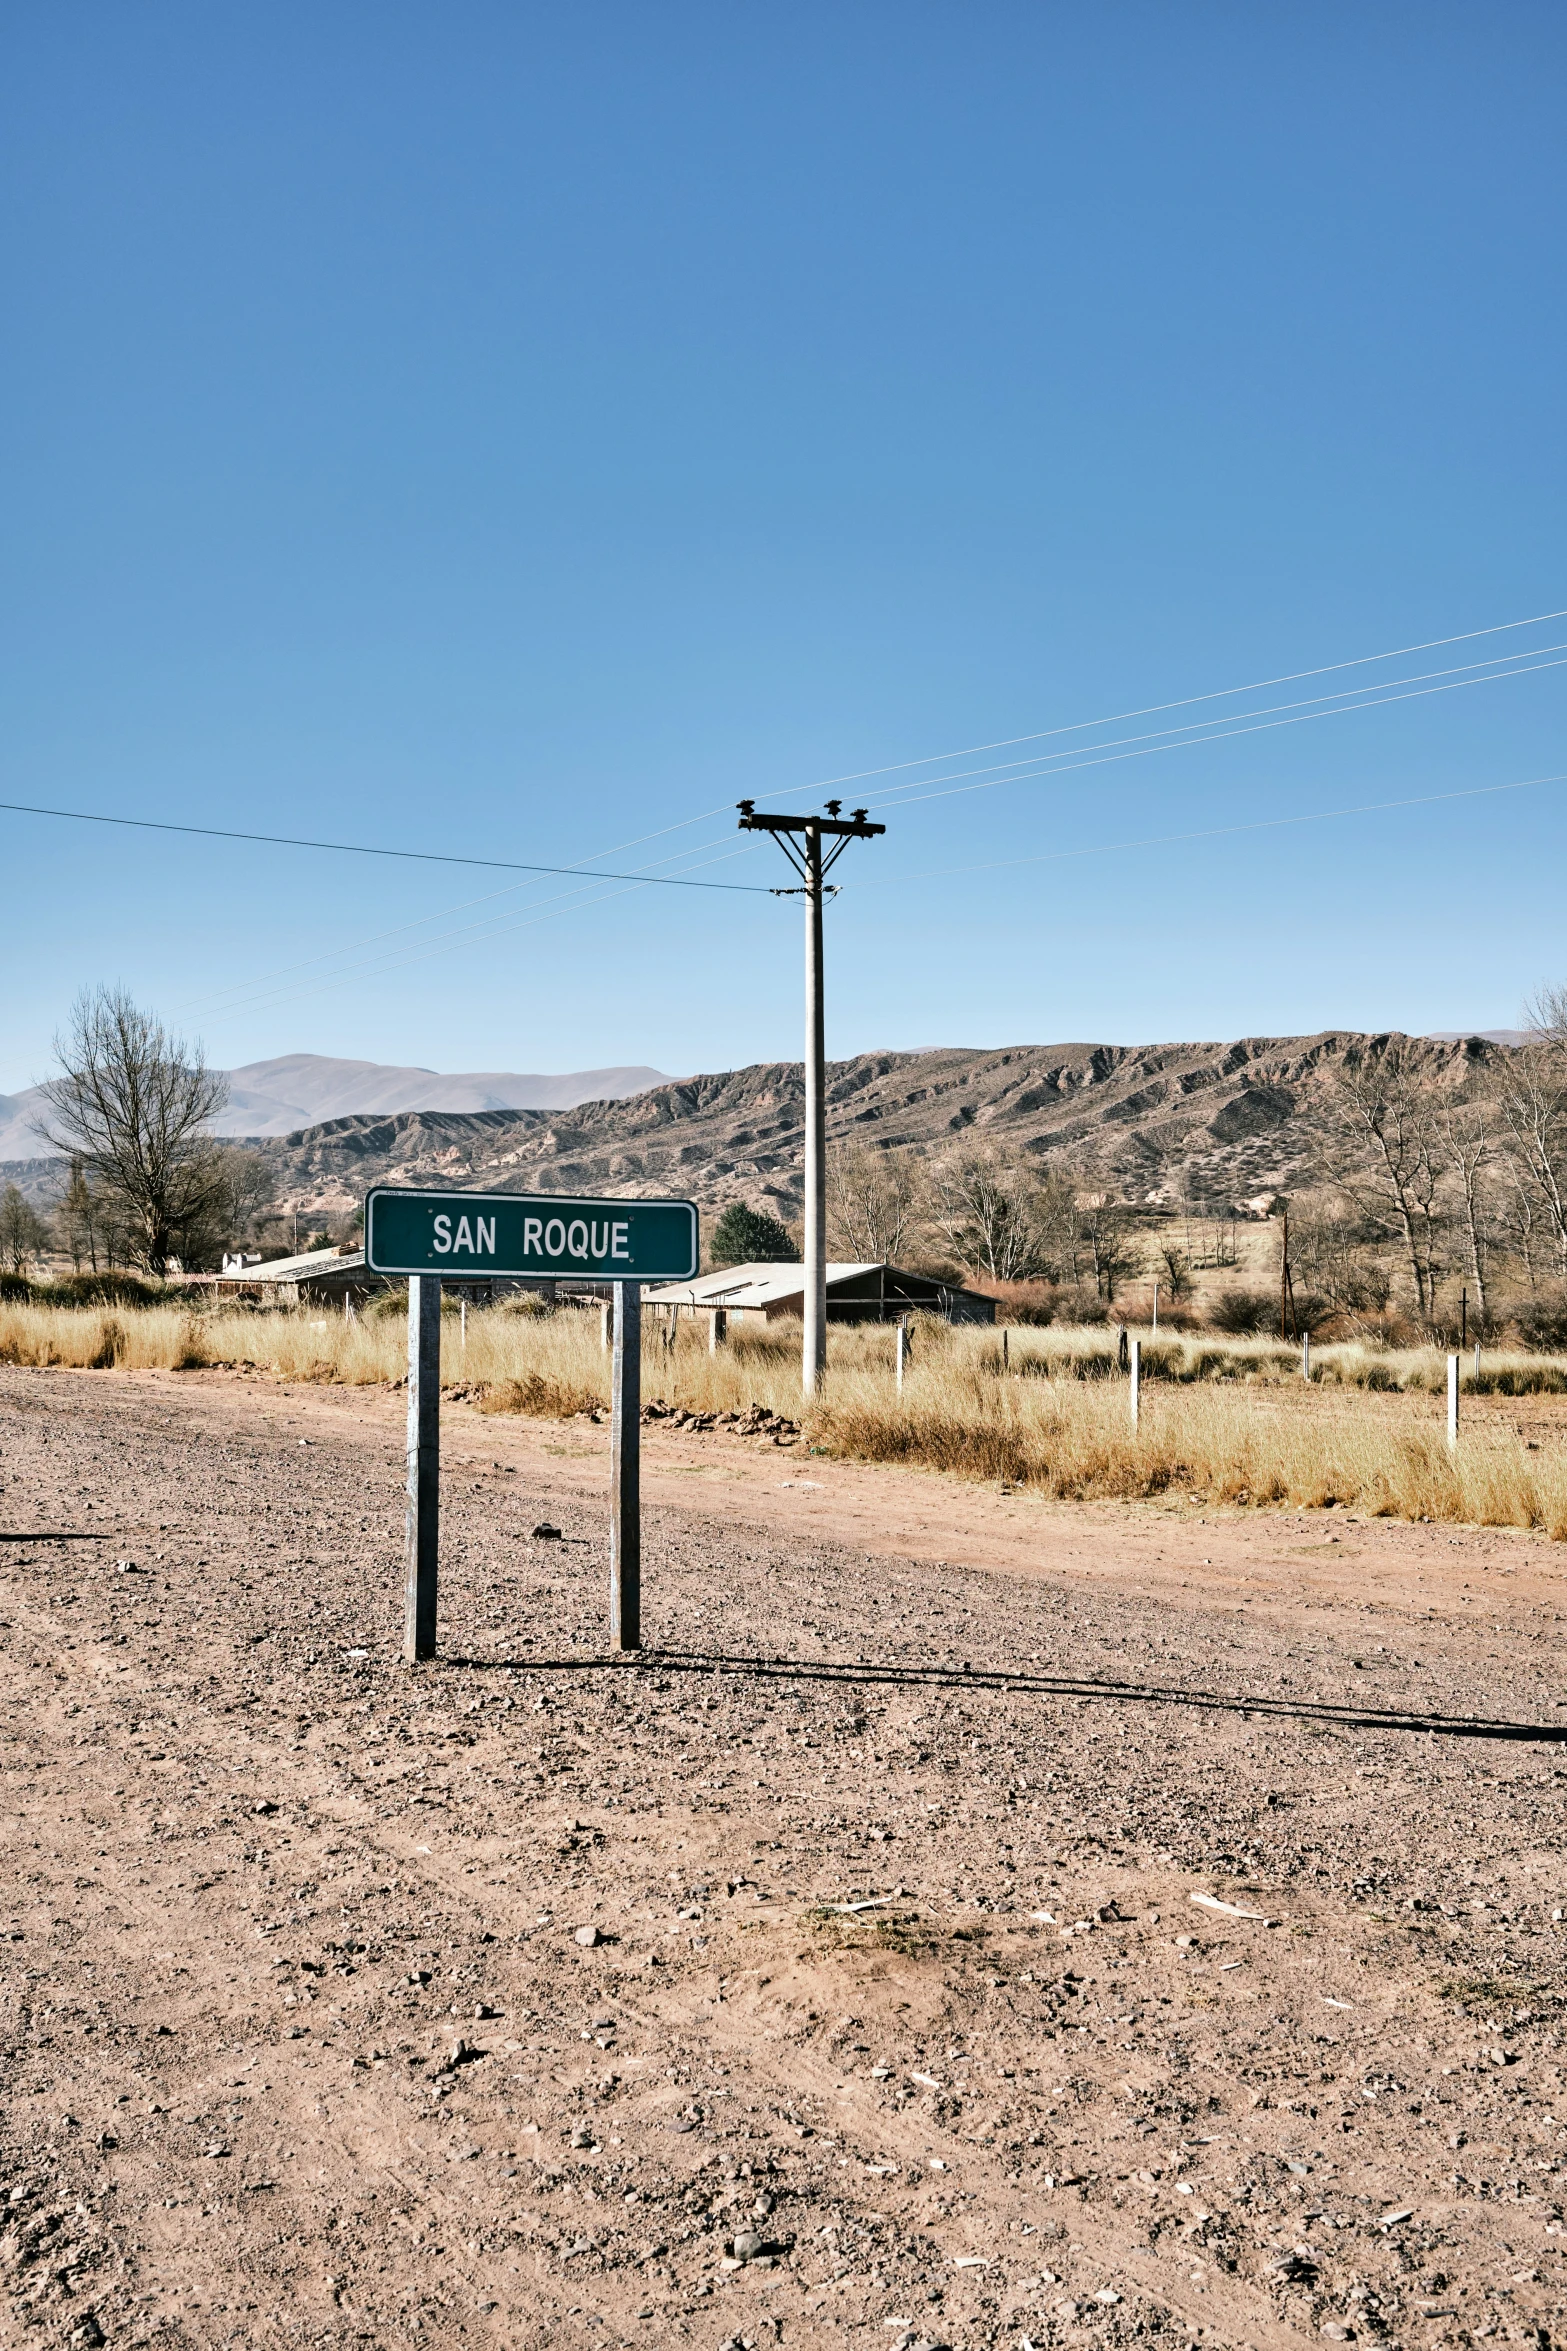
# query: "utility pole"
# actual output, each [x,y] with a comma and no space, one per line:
[813,867]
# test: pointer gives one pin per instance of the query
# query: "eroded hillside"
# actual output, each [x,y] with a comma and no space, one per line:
[1218,1123]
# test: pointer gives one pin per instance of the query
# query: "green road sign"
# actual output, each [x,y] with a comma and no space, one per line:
[463,1236]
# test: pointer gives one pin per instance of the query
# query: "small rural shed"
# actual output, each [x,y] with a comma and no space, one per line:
[855,1293]
[320,1277]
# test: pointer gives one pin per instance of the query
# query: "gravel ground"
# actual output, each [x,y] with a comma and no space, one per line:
[1211,1988]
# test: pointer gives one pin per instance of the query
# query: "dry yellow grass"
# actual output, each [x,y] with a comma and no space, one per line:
[1228,1422]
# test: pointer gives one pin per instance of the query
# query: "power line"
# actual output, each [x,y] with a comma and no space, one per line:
[491,925]
[208,832]
[1186,702]
[1263,824]
[525,918]
[1348,698]
[959,789]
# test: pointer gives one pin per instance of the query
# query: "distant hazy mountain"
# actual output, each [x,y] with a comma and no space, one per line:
[1491,1036]
[302,1089]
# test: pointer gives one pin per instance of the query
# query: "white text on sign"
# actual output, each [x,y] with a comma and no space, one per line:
[582,1238]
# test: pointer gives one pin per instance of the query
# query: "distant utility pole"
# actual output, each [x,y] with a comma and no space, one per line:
[813,868]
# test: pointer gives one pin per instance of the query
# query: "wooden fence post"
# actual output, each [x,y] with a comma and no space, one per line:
[625,1445]
[717,1329]
[424,1466]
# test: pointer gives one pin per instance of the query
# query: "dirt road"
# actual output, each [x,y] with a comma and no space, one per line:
[1212,1987]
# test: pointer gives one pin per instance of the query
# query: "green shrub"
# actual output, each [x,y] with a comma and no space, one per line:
[749,1236]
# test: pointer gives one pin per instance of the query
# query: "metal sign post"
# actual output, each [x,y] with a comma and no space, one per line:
[424,1466]
[625,1470]
[467,1236]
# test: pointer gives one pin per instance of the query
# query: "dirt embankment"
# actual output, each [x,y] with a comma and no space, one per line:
[1211,1987]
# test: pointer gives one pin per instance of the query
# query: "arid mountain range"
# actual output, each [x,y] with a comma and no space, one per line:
[1219,1125]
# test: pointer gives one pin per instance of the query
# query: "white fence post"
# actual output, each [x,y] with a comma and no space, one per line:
[1136,1377]
[1452,1401]
[901,1354]
[1305,1355]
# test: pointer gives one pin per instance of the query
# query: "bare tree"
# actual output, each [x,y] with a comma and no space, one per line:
[23,1234]
[230,1208]
[1329,1244]
[1533,1105]
[988,1208]
[1383,1151]
[1468,1146]
[876,1201]
[76,1219]
[135,1104]
[1105,1234]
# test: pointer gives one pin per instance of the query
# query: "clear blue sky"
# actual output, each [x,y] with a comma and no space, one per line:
[517,430]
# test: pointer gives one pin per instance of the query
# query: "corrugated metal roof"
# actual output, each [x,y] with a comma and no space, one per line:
[748,1285]
[289,1269]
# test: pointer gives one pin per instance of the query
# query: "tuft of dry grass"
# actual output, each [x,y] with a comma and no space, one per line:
[1226,1423]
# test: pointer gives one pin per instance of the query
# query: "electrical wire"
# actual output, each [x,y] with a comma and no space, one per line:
[915,799]
[222,999]
[1186,702]
[525,919]
[1040,766]
[208,832]
[1216,832]
[1364,698]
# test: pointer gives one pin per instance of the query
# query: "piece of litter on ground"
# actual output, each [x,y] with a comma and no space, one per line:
[876,1902]
[1229,1963]
[1329,2002]
[970,2261]
[882,2170]
[1046,1918]
[1390,2220]
[927,2081]
[1230,1909]
[936,2163]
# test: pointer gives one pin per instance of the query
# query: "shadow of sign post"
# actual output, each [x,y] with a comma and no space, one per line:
[438,1237]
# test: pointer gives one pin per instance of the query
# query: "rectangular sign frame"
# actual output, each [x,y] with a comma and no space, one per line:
[528,1236]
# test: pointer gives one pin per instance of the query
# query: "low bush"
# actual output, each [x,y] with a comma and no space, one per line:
[1541,1321]
[1243,1312]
